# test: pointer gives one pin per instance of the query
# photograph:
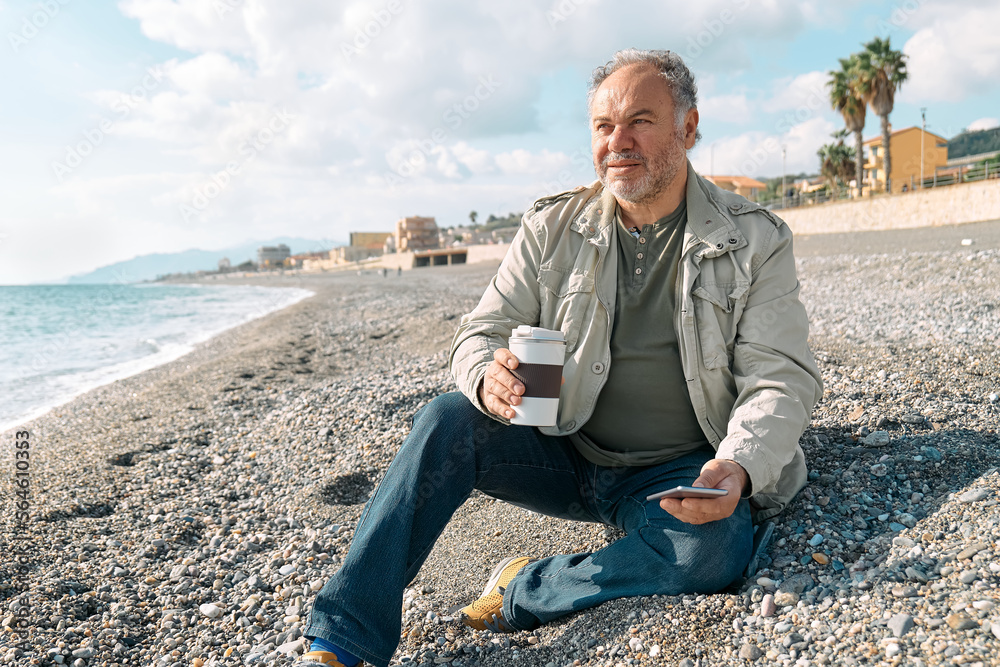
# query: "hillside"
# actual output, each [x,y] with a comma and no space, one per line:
[974,143]
[148,267]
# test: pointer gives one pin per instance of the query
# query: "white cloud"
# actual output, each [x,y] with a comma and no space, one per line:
[805,91]
[954,54]
[476,161]
[525,163]
[192,25]
[983,124]
[732,108]
[758,154]
[211,75]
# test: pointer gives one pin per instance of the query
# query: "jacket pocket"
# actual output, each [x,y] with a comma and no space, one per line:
[565,296]
[718,306]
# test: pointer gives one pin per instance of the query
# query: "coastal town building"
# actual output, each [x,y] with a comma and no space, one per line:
[225,264]
[298,261]
[741,185]
[416,233]
[271,256]
[905,146]
[371,240]
[349,253]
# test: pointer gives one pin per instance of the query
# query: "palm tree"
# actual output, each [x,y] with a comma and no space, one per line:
[881,72]
[846,97]
[472,216]
[836,163]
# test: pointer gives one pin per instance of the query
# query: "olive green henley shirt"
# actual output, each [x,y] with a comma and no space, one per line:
[643,415]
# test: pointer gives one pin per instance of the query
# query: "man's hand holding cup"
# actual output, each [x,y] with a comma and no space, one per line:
[522,383]
[500,389]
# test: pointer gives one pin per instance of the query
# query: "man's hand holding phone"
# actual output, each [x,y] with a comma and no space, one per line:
[718,474]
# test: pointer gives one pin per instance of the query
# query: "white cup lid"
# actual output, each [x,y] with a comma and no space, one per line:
[537,333]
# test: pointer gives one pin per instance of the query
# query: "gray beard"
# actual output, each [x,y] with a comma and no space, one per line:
[645,189]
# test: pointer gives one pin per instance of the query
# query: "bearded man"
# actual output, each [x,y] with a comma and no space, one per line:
[686,364]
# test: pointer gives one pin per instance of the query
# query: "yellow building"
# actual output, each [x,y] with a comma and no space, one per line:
[905,146]
[374,240]
[741,185]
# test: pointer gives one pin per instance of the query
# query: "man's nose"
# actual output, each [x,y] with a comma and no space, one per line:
[620,139]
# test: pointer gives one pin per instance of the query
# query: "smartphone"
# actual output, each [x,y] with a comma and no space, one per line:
[689,492]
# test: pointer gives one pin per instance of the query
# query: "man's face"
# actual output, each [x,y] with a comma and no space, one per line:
[638,147]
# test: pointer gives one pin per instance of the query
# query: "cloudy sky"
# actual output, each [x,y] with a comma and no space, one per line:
[145,126]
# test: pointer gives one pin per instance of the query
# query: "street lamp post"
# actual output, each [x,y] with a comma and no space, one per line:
[923,131]
[783,150]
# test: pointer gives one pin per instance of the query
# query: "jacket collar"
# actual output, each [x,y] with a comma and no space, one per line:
[708,225]
[597,220]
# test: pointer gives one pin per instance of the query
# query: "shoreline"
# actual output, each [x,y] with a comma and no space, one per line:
[123,370]
[233,477]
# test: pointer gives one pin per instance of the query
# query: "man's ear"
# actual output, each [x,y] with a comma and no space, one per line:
[690,128]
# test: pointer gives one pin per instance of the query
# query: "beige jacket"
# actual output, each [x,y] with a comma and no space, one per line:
[740,325]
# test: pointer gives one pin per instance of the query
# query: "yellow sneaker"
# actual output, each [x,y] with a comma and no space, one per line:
[321,659]
[486,613]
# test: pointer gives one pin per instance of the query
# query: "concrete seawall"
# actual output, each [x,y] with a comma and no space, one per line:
[951,205]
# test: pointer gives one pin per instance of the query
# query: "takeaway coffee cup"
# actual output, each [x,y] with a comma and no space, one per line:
[540,354]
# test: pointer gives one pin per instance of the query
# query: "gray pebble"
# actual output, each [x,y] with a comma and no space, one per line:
[974,495]
[900,624]
[968,576]
[750,652]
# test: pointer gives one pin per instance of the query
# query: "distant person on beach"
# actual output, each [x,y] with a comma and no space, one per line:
[686,364]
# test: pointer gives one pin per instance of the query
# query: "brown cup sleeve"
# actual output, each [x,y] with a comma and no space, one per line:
[540,380]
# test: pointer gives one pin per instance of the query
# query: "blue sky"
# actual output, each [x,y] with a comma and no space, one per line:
[161,125]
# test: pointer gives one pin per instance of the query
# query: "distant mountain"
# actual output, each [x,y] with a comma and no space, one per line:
[974,143]
[148,267]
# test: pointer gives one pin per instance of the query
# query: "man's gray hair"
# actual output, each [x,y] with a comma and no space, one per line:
[671,67]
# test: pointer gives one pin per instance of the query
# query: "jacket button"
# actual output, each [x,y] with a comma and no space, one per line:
[591,229]
[719,246]
[598,367]
[732,241]
[600,212]
[570,426]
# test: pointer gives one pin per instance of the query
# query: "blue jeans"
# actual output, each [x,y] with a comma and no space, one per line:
[451,450]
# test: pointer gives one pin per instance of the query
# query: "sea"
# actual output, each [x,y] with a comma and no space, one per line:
[59,341]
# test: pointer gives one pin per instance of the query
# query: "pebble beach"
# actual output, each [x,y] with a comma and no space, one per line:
[187,516]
